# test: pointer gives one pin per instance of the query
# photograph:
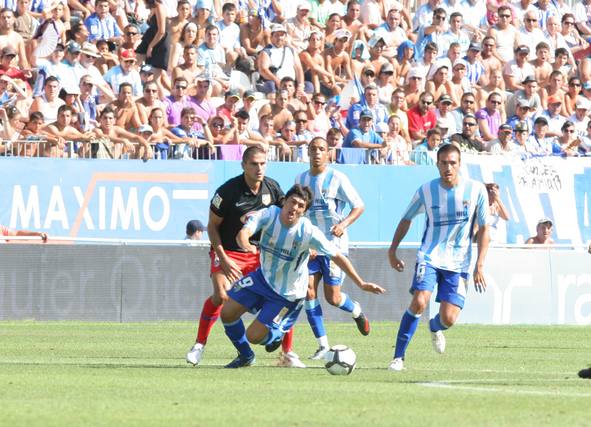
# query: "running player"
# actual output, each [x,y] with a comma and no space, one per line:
[240,195]
[332,192]
[451,205]
[278,287]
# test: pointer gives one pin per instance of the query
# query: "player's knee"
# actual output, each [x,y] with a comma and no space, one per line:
[255,336]
[448,319]
[311,293]
[418,305]
[333,299]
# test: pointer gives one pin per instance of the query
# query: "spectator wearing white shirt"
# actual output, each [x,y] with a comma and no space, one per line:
[102,25]
[125,72]
[230,35]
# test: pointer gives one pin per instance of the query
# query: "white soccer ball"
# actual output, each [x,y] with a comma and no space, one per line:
[340,360]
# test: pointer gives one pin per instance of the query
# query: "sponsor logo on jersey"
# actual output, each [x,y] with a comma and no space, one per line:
[266,199]
[217,200]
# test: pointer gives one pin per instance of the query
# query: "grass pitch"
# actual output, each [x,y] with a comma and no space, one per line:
[70,374]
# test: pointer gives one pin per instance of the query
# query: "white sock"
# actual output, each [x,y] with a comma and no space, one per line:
[323,341]
[356,310]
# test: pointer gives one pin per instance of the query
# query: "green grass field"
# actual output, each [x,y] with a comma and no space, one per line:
[69,374]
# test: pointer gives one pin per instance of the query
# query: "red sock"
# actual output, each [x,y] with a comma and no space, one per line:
[287,343]
[209,314]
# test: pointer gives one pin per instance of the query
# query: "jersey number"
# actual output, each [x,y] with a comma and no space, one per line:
[245,282]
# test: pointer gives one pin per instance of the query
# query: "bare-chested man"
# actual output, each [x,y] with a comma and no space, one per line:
[489,57]
[189,69]
[338,58]
[541,64]
[117,141]
[63,128]
[9,37]
[316,71]
[352,22]
[279,110]
[126,110]
[149,101]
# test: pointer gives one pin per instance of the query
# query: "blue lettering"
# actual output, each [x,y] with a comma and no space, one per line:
[516,226]
[583,202]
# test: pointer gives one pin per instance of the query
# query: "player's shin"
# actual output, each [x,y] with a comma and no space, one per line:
[436,324]
[408,326]
[314,315]
[209,314]
[237,334]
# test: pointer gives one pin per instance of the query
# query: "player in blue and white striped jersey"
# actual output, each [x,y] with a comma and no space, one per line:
[278,287]
[451,205]
[332,194]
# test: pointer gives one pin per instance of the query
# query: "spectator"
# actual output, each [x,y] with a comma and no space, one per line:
[467,106]
[317,72]
[572,95]
[521,130]
[229,107]
[70,71]
[230,36]
[188,37]
[88,57]
[102,25]
[194,230]
[364,136]
[570,143]
[420,155]
[497,214]
[5,231]
[421,118]
[504,143]
[9,37]
[467,141]
[253,38]
[399,148]
[580,118]
[372,104]
[553,116]
[125,72]
[516,70]
[48,102]
[475,69]
[211,60]
[126,110]
[490,118]
[198,139]
[522,114]
[506,36]
[179,99]
[543,233]
[529,93]
[279,110]
[155,44]
[538,143]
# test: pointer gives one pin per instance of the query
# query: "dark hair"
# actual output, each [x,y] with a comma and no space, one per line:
[448,148]
[542,45]
[187,110]
[434,131]
[51,79]
[318,138]
[242,114]
[455,14]
[36,115]
[431,46]
[561,51]
[107,110]
[251,151]
[567,125]
[228,7]
[124,85]
[65,107]
[302,192]
[211,27]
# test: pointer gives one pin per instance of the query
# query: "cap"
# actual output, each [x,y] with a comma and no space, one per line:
[529,79]
[522,49]
[442,122]
[371,86]
[8,51]
[204,4]
[232,93]
[505,128]
[542,120]
[315,31]
[249,94]
[587,85]
[582,103]
[475,46]
[87,79]
[147,68]
[145,128]
[374,40]
[71,90]
[382,128]
[553,99]
[278,28]
[461,62]
[368,67]
[523,103]
[90,50]
[415,72]
[304,5]
[342,33]
[386,68]
[545,221]
[73,47]
[253,12]
[521,126]
[193,226]
[128,54]
[366,113]
[445,98]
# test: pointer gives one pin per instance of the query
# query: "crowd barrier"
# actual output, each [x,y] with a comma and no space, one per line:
[122,283]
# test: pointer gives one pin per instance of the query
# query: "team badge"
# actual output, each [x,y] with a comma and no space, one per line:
[217,200]
[266,199]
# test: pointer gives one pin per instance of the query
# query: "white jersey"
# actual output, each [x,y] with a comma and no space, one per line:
[450,215]
[285,251]
[332,192]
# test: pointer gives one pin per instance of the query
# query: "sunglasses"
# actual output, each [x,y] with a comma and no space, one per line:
[369,74]
[569,22]
[570,131]
[302,121]
[131,34]
[180,87]
[504,16]
[530,20]
[575,84]
[469,124]
[495,102]
[217,125]
[426,102]
[319,103]
[151,90]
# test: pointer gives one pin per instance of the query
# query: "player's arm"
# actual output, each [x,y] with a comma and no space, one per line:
[399,235]
[243,240]
[482,239]
[30,233]
[229,267]
[345,265]
[338,229]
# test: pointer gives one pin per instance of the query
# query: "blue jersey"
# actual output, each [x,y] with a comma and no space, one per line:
[332,192]
[285,251]
[450,216]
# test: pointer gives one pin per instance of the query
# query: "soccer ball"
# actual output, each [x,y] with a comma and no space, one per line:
[340,360]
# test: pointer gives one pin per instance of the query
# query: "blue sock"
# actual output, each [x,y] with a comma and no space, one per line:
[347,304]
[272,335]
[408,326]
[314,314]
[436,325]
[237,334]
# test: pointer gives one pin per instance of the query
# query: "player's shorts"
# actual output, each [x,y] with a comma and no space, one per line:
[246,261]
[254,293]
[451,285]
[331,273]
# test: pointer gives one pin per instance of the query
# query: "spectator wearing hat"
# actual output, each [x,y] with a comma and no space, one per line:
[337,57]
[370,103]
[70,71]
[88,57]
[277,61]
[424,153]
[543,233]
[102,25]
[506,36]
[8,65]
[228,109]
[386,82]
[9,37]
[317,73]
[125,72]
[364,135]
[580,118]
[194,230]
[48,67]
[490,117]
[299,27]
[445,119]
[517,70]
[467,140]
[539,143]
[553,115]
[504,143]
[249,105]
[421,117]
[529,93]
[413,87]
[475,69]
[211,60]
[376,46]
[522,114]
[521,132]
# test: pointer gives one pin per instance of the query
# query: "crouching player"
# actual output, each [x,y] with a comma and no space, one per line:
[278,287]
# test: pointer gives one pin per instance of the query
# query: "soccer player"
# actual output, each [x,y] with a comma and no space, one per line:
[331,193]
[278,287]
[451,205]
[237,197]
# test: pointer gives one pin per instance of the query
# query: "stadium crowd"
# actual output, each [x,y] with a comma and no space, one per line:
[204,78]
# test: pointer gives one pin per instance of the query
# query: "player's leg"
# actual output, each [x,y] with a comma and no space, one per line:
[421,289]
[451,294]
[314,311]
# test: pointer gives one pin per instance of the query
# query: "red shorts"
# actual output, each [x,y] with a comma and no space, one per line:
[246,261]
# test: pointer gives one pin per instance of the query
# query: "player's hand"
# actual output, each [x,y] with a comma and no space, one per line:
[372,287]
[396,263]
[231,270]
[313,254]
[479,281]
[589,250]
[337,230]
[43,237]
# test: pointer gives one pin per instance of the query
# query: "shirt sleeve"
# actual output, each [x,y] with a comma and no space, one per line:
[348,193]
[481,206]
[415,207]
